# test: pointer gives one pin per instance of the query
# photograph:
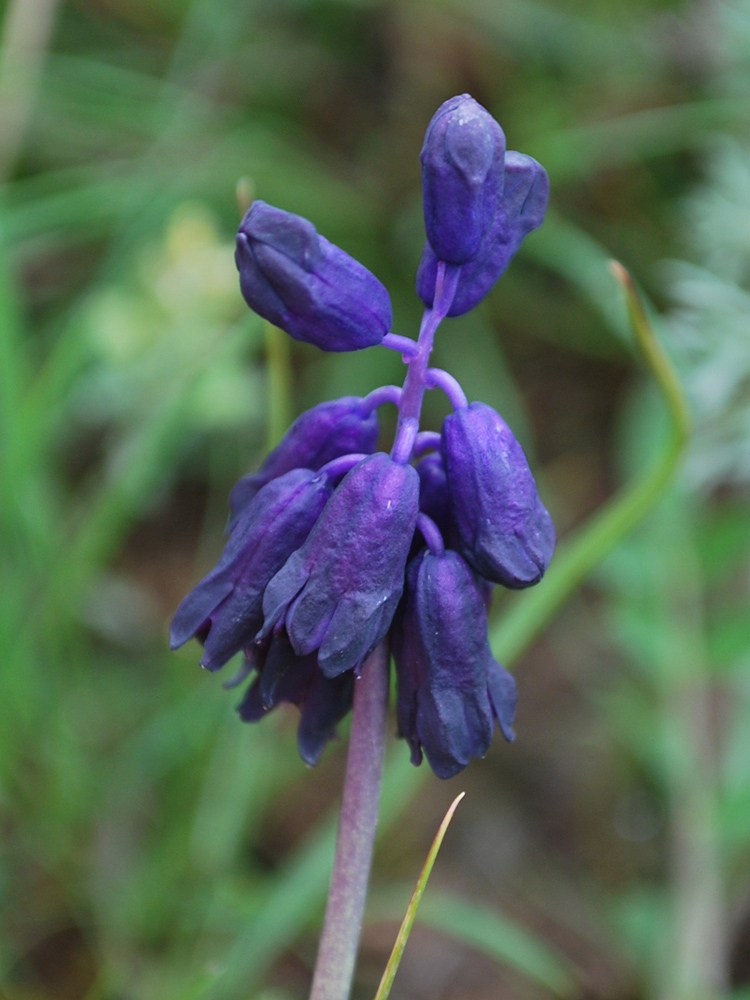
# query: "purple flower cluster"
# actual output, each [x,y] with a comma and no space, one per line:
[335,546]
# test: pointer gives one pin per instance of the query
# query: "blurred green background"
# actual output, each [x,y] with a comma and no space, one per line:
[153,848]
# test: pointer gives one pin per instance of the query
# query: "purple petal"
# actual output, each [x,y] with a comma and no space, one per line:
[462,178]
[506,533]
[441,654]
[225,610]
[313,290]
[327,702]
[521,210]
[503,695]
[339,592]
[327,431]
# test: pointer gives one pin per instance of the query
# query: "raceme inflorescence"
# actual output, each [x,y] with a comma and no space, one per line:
[334,546]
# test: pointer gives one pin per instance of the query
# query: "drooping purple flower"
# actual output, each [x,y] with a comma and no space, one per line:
[462,178]
[338,593]
[450,689]
[285,677]
[312,576]
[327,431]
[505,531]
[225,610]
[296,279]
[520,211]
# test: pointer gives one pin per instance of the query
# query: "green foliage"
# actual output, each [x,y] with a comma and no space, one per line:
[152,846]
[397,953]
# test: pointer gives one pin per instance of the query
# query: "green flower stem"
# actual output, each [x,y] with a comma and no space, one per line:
[339,942]
[576,558]
[279,383]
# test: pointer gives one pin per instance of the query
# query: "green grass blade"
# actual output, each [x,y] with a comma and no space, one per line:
[394,961]
[579,152]
[530,612]
[569,251]
[13,362]
[501,939]
[279,382]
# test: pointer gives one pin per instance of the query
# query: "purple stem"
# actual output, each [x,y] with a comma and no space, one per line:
[439,379]
[249,664]
[427,441]
[338,467]
[431,534]
[415,383]
[404,345]
[239,677]
[337,953]
[384,394]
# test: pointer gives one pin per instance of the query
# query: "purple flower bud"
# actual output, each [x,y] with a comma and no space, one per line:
[225,610]
[521,210]
[327,431]
[338,593]
[285,677]
[296,279]
[462,178]
[506,532]
[450,688]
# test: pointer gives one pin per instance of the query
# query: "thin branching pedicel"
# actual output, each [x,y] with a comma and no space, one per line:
[337,551]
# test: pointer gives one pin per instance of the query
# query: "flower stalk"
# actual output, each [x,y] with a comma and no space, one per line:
[339,942]
[416,381]
[338,551]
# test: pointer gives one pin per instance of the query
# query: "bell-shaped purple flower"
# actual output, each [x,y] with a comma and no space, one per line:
[339,591]
[506,533]
[521,210]
[450,689]
[327,431]
[462,178]
[296,279]
[225,610]
[285,677]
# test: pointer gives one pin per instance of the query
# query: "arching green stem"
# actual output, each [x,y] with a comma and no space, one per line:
[577,557]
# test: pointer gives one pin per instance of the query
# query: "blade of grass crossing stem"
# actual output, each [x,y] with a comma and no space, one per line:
[411,911]
[530,612]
